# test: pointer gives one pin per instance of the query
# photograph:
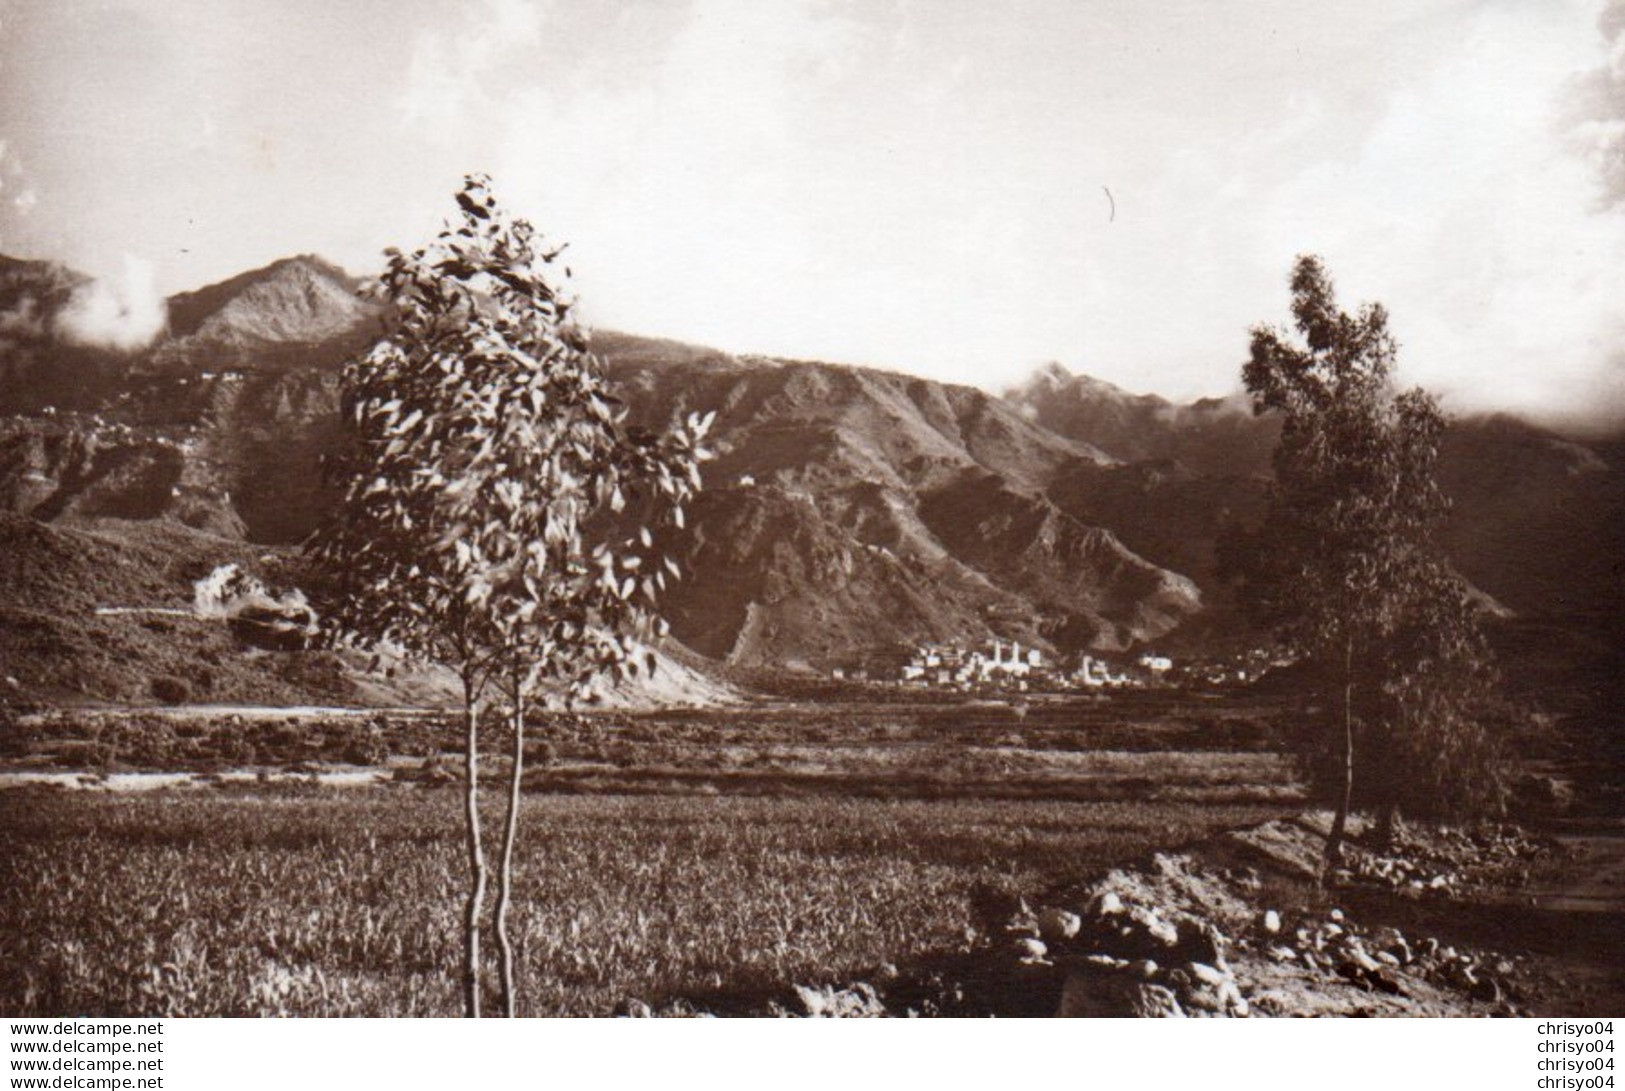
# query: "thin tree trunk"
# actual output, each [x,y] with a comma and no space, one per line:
[510,994]
[1383,786]
[1334,838]
[1387,823]
[476,853]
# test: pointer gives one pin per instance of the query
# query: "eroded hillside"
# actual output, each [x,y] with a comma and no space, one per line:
[850,512]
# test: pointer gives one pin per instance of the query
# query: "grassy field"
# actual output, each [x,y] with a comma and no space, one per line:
[345,902]
[714,855]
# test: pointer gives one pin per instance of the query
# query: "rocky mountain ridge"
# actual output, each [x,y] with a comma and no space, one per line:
[850,511]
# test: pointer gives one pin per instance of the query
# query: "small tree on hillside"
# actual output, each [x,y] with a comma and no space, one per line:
[1348,568]
[487,462]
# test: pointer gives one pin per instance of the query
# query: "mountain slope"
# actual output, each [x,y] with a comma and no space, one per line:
[833,518]
[1538,520]
[293,312]
[100,612]
[850,511]
[41,364]
[1205,434]
[813,544]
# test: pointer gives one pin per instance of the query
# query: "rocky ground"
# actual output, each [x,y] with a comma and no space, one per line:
[1444,922]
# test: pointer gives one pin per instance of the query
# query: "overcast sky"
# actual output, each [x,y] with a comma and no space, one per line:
[960,189]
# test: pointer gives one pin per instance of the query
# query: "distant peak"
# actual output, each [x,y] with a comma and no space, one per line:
[1053,377]
[314,263]
[304,297]
[1052,374]
[298,265]
[33,276]
[42,266]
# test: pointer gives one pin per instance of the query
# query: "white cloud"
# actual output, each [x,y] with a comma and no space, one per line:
[682,190]
[17,195]
[125,313]
[453,70]
[1468,215]
[1598,112]
[912,185]
[1463,208]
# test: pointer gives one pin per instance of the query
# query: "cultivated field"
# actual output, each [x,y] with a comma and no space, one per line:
[713,857]
[346,902]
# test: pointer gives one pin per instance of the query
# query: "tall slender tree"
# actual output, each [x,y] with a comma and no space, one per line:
[487,464]
[1348,568]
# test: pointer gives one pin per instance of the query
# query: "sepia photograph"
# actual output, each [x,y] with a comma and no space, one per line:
[812,508]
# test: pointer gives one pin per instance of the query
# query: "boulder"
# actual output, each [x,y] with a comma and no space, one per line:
[1105,904]
[1055,925]
[1091,994]
[1030,949]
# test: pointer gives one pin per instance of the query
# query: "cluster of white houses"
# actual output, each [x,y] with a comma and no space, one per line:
[1006,662]
[1096,673]
[950,664]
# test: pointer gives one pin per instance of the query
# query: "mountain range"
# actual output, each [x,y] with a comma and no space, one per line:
[851,512]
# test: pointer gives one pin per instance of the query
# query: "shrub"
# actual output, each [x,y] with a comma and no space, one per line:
[171,690]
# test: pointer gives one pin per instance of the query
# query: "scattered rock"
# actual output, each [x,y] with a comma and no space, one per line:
[1176,938]
[1095,995]
[858,1001]
[1356,954]
[1150,931]
[1055,925]
[1031,950]
[1105,904]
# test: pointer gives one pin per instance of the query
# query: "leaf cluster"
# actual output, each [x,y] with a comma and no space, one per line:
[1355,501]
[486,454]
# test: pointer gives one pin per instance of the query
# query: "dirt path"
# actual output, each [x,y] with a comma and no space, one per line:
[211,712]
[152,782]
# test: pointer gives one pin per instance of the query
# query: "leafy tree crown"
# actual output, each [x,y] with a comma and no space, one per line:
[498,508]
[1355,503]
[1347,566]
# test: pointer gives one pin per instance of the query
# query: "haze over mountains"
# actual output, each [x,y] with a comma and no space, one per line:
[850,512]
